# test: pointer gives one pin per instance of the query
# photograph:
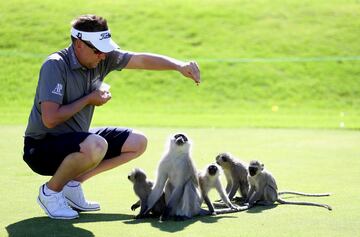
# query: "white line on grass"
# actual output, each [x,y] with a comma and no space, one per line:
[16,53]
[284,59]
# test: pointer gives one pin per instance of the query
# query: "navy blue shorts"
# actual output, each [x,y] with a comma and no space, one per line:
[44,156]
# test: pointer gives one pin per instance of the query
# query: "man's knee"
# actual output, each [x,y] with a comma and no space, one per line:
[142,143]
[94,147]
[136,142]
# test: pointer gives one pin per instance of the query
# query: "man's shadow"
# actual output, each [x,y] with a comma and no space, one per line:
[44,226]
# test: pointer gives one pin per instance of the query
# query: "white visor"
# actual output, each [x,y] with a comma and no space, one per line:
[100,39]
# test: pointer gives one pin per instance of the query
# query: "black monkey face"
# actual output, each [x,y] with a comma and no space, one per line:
[179,143]
[255,167]
[212,169]
[253,170]
[180,139]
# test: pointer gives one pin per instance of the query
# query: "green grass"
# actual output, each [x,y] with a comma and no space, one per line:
[300,56]
[303,160]
[233,94]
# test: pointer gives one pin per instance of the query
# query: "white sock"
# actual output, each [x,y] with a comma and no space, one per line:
[48,191]
[73,183]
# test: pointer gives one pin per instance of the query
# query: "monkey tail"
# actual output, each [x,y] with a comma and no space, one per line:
[229,210]
[281,201]
[305,194]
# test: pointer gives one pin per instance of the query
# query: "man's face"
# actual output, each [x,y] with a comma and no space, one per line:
[88,55]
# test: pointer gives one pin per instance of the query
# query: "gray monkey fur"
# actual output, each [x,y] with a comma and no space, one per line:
[142,188]
[236,173]
[177,174]
[263,189]
[209,178]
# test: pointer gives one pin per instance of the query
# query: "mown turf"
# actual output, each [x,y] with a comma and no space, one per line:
[303,160]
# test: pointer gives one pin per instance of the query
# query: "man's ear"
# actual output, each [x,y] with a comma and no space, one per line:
[78,44]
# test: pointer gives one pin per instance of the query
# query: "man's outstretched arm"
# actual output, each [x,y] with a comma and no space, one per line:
[149,61]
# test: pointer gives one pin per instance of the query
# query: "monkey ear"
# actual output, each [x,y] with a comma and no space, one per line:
[262,166]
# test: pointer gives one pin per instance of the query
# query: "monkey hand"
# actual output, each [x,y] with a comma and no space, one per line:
[235,207]
[134,206]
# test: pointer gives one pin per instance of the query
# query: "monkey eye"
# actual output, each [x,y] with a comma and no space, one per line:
[224,158]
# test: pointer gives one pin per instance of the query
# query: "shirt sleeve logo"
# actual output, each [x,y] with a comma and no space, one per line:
[57,90]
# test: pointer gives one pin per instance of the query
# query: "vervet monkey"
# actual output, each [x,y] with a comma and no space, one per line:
[177,170]
[142,188]
[210,178]
[236,175]
[263,188]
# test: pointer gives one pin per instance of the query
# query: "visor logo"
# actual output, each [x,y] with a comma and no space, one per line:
[79,35]
[105,36]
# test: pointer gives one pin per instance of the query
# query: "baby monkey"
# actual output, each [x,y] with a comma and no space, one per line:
[264,191]
[142,188]
[210,178]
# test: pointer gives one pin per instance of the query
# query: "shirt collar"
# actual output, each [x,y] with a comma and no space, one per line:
[73,60]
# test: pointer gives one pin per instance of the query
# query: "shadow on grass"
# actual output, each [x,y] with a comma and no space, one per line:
[259,208]
[44,226]
[175,226]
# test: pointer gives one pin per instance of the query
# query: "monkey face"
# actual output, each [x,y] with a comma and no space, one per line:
[179,143]
[212,169]
[180,139]
[131,178]
[137,174]
[255,167]
[222,158]
[253,170]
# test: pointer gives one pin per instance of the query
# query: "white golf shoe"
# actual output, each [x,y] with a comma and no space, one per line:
[75,198]
[55,205]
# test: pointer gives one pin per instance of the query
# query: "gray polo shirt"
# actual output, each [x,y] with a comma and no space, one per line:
[63,80]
